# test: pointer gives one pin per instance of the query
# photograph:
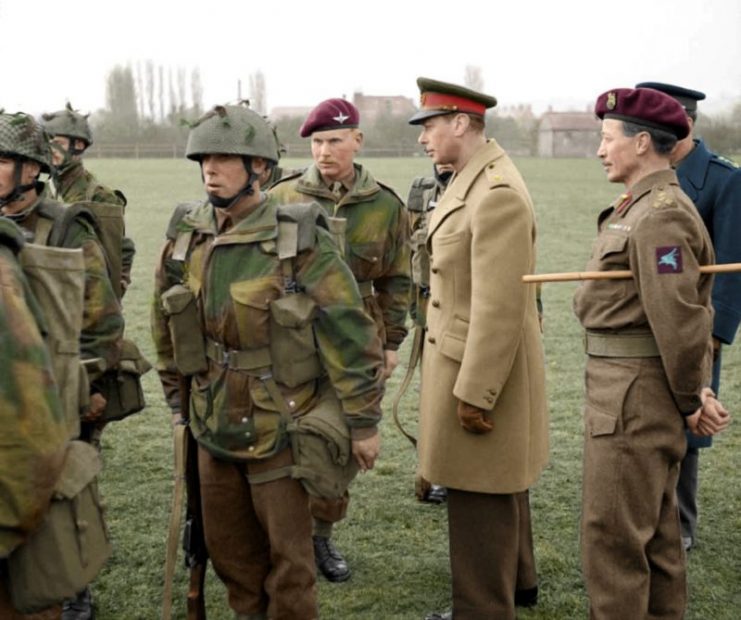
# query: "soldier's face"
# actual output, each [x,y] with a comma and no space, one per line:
[59,146]
[438,139]
[223,175]
[334,152]
[29,171]
[618,152]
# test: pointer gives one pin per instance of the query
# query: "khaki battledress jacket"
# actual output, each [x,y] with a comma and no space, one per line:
[483,343]
[655,231]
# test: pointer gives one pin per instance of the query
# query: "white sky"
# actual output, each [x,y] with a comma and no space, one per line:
[547,53]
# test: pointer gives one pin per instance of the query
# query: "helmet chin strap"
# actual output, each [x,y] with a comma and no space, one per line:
[18,189]
[247,189]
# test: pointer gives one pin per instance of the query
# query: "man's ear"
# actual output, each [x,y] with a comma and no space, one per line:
[358,136]
[643,143]
[461,122]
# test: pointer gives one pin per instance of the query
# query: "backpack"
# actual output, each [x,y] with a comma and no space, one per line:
[70,545]
[121,385]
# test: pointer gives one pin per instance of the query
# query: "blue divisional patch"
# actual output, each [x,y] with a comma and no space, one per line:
[669,259]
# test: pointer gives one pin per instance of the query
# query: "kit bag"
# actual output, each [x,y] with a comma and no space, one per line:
[72,544]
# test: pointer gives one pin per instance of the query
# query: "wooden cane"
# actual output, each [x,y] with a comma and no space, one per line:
[573,276]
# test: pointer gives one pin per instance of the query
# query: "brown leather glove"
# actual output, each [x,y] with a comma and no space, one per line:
[473,419]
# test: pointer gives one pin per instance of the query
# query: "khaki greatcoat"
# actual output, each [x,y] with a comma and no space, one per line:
[483,343]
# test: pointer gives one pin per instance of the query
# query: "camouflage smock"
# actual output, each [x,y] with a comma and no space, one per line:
[376,241]
[235,275]
[74,183]
[34,431]
[102,321]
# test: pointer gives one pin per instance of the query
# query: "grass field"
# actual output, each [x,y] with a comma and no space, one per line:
[397,547]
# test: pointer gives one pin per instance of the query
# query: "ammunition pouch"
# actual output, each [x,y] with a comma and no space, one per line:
[189,349]
[72,544]
[122,387]
[292,348]
[322,449]
[420,258]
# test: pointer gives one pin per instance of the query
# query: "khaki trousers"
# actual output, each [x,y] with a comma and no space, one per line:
[632,555]
[488,533]
[259,537]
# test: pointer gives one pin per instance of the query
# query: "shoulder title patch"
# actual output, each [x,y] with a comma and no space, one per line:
[669,259]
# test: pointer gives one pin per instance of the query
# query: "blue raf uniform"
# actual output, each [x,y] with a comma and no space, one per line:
[713,183]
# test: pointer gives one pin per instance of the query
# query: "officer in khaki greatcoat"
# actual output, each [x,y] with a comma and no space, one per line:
[648,341]
[483,414]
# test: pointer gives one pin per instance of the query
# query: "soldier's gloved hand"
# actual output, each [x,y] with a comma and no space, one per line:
[473,419]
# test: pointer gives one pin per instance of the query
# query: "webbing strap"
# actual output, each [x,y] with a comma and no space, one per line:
[182,243]
[413,361]
[43,231]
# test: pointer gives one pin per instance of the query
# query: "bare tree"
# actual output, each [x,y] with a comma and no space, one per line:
[196,91]
[140,94]
[257,92]
[149,69]
[173,94]
[161,91]
[473,78]
[181,90]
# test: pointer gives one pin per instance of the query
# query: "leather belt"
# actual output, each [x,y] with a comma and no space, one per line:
[624,344]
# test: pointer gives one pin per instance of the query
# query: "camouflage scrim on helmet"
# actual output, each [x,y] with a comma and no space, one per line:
[68,122]
[232,130]
[22,137]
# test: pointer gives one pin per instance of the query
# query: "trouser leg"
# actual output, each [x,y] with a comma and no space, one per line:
[527,576]
[629,531]
[259,538]
[687,492]
[484,546]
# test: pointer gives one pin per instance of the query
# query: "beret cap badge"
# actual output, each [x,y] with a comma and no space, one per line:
[611,103]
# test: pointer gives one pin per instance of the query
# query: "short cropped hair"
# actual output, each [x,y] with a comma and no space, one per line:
[663,141]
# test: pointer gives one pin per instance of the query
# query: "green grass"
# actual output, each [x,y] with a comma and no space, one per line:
[397,547]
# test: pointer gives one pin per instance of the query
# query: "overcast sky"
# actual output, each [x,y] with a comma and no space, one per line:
[547,53]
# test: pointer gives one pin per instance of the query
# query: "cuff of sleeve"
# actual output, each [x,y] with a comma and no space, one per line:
[364,432]
[725,324]
[688,404]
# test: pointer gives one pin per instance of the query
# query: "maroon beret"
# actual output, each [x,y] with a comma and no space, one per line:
[330,114]
[644,106]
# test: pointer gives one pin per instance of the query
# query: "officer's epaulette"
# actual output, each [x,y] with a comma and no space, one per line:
[390,189]
[719,159]
[662,196]
[496,177]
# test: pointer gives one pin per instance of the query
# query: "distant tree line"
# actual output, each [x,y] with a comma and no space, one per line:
[146,104]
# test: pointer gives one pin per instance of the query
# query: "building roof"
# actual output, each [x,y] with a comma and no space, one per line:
[569,121]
